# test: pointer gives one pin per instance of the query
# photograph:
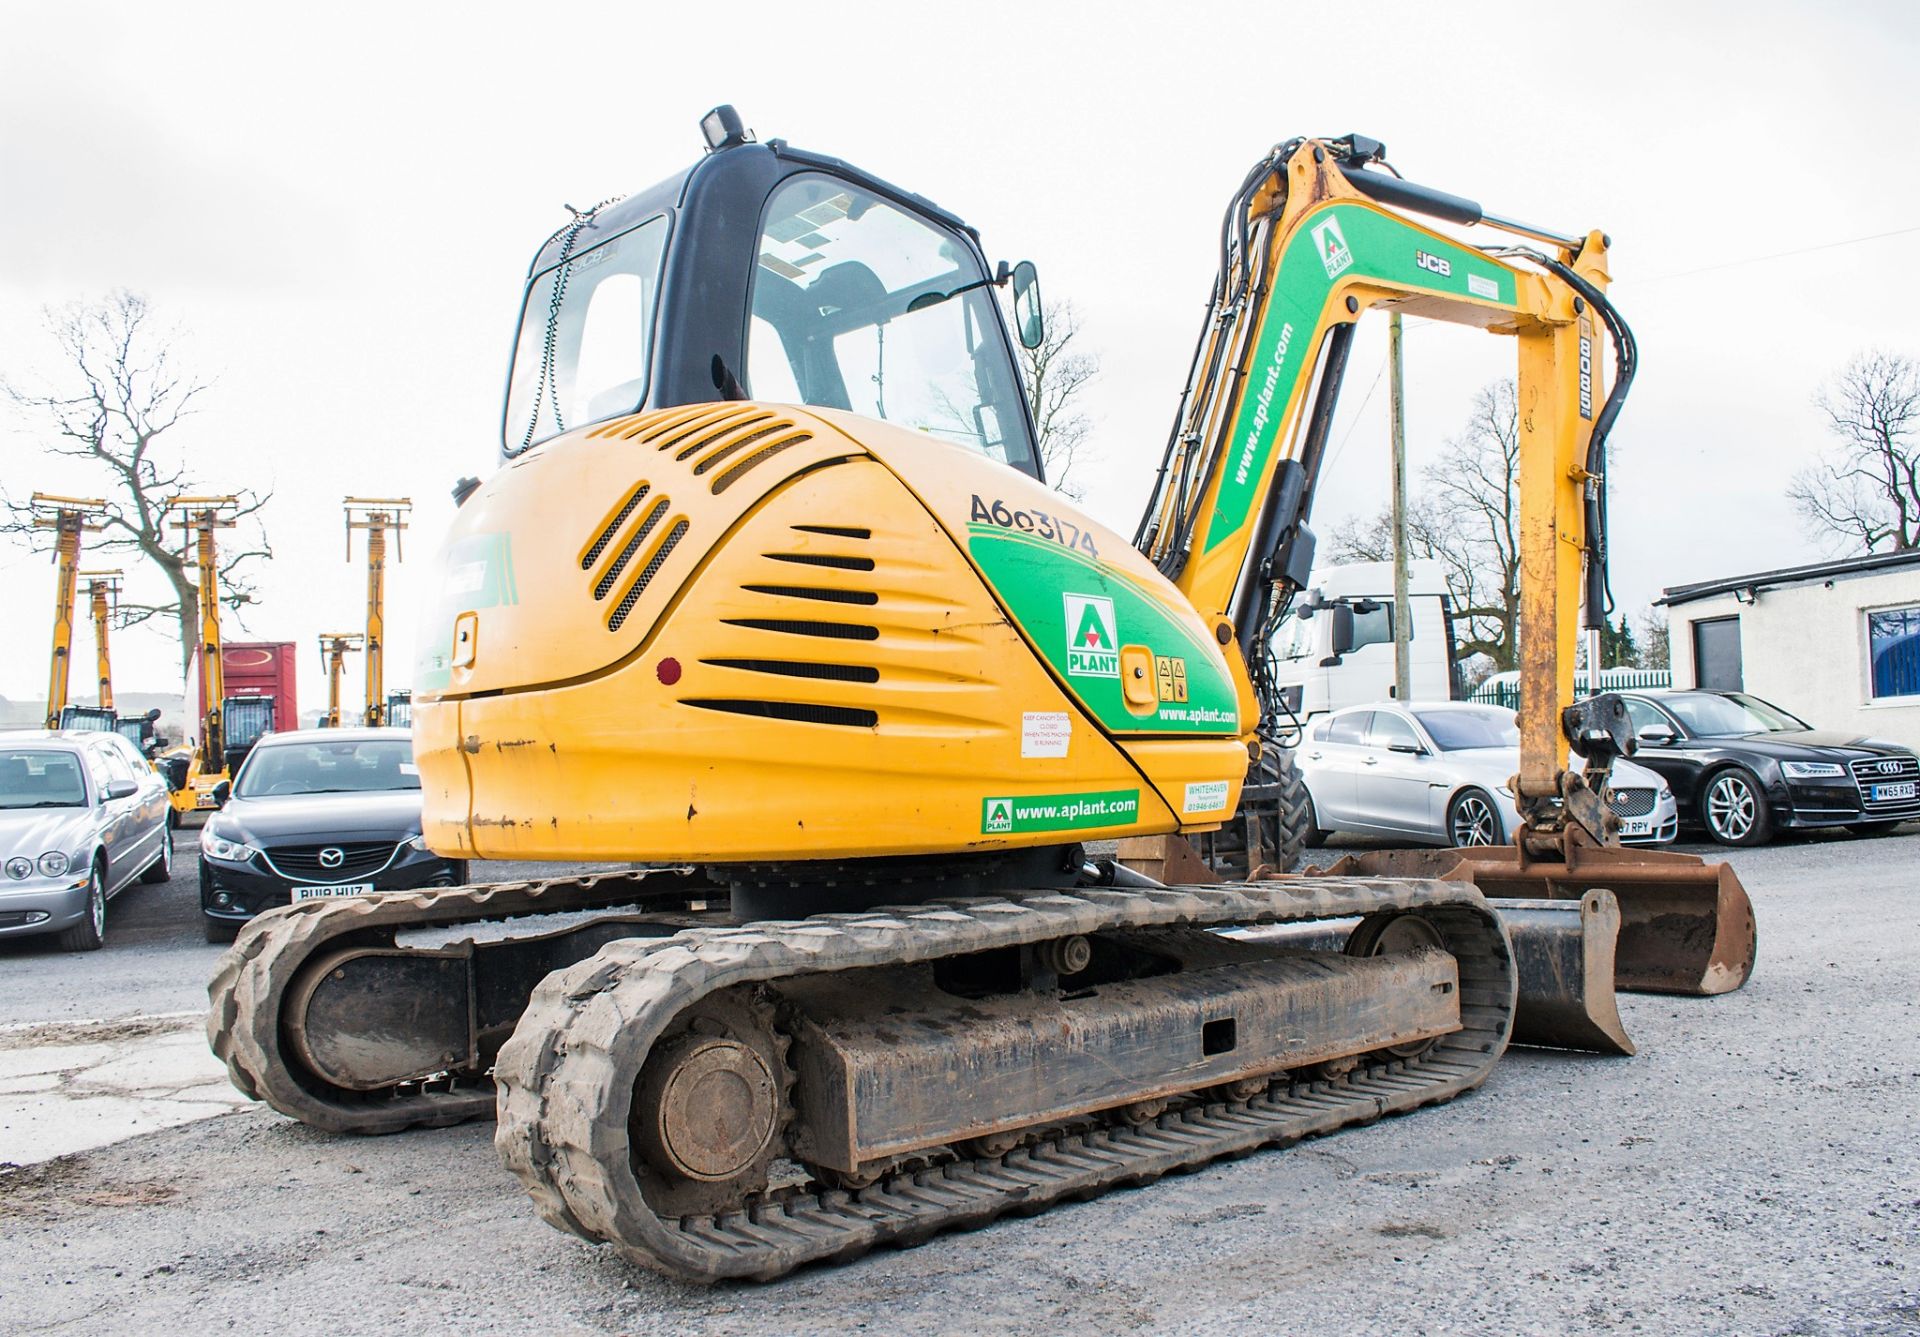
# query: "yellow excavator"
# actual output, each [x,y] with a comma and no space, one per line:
[771,594]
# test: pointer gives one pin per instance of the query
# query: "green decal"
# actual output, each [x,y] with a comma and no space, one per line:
[1058,812]
[475,573]
[1078,612]
[1342,238]
[1092,650]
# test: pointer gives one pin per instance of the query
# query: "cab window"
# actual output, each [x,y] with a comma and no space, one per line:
[845,316]
[1372,623]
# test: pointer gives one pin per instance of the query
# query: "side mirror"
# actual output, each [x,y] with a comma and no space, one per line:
[1342,628]
[1411,749]
[153,716]
[221,793]
[120,789]
[1028,320]
[1655,734]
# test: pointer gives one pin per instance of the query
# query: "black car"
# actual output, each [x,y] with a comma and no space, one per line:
[314,814]
[1743,768]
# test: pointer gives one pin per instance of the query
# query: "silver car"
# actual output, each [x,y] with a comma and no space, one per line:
[82,815]
[1439,773]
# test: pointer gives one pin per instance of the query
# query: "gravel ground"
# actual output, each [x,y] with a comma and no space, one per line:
[1750,1171]
[156,960]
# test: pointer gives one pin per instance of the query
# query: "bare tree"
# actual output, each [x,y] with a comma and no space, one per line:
[1055,374]
[1469,520]
[1651,629]
[122,394]
[1866,491]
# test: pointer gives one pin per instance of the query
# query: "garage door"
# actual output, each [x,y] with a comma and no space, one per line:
[1716,654]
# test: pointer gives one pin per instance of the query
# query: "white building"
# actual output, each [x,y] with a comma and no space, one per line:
[1836,643]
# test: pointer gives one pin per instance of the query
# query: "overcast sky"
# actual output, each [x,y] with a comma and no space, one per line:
[337,205]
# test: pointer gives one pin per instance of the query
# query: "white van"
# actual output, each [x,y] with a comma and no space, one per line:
[1336,647]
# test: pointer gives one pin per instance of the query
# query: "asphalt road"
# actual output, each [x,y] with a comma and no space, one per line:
[1752,1170]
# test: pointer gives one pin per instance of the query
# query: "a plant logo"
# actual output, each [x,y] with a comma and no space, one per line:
[1331,244]
[998,816]
[1093,646]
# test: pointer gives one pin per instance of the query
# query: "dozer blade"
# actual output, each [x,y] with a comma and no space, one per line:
[1563,951]
[1686,926]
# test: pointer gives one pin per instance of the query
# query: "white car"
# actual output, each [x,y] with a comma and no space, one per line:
[82,815]
[1439,773]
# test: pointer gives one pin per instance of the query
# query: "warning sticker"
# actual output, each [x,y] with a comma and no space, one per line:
[1207,796]
[1045,733]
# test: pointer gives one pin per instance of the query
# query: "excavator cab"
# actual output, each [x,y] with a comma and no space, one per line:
[771,274]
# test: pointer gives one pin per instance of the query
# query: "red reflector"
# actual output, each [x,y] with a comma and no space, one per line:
[668,671]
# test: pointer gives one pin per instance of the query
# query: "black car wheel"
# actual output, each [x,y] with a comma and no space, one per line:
[1315,836]
[1735,808]
[1472,819]
[161,869]
[91,931]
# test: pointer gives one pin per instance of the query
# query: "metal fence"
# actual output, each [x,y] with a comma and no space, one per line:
[1503,689]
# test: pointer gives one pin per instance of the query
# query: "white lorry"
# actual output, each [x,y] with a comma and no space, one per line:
[1336,647]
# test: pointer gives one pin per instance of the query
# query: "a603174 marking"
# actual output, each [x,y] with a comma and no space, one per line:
[1029,520]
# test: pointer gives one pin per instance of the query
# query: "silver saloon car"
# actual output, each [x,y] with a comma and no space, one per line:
[82,815]
[1438,774]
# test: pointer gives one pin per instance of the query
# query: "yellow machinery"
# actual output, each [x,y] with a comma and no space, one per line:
[103,589]
[202,518]
[772,591]
[70,518]
[379,517]
[334,649]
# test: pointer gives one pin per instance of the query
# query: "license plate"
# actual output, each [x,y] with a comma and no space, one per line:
[1881,793]
[328,892]
[1635,826]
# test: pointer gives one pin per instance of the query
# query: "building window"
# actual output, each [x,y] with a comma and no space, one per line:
[1893,649]
[1716,653]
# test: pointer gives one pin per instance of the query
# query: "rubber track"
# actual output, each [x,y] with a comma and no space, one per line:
[566,1078]
[248,987]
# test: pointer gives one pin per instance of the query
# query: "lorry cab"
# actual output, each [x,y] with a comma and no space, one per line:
[1336,647]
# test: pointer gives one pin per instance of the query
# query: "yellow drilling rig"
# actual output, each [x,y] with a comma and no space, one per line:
[335,646]
[377,517]
[70,519]
[199,520]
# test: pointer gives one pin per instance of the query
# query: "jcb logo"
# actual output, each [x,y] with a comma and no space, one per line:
[1433,264]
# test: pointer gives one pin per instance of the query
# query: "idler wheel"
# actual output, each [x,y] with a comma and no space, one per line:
[1382,935]
[709,1108]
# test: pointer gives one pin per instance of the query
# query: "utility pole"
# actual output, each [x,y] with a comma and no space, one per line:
[69,518]
[103,590]
[1397,427]
[378,516]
